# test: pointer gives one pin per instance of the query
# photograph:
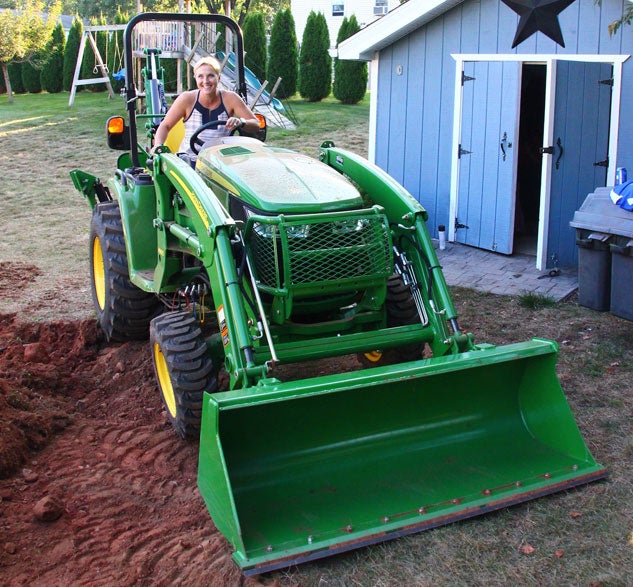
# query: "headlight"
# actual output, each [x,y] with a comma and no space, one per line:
[351,225]
[271,230]
[265,230]
[298,231]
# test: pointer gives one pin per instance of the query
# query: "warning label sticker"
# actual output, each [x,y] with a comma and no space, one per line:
[223,327]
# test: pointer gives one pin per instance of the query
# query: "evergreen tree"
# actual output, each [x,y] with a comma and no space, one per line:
[103,42]
[350,77]
[282,62]
[315,63]
[71,52]
[51,77]
[170,74]
[31,71]
[255,43]
[220,39]
[15,76]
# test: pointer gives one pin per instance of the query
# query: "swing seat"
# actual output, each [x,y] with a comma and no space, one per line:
[119,75]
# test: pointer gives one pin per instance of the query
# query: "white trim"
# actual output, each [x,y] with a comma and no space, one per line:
[539,57]
[616,95]
[106,27]
[373,106]
[457,128]
[546,166]
[515,157]
[549,60]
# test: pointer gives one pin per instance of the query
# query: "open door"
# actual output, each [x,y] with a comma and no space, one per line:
[578,149]
[487,155]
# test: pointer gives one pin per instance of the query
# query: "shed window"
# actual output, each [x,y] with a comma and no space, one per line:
[338,9]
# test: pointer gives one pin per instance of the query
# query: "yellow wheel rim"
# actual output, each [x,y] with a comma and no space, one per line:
[164,381]
[373,356]
[98,272]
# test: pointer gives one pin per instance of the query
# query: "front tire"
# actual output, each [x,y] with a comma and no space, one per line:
[401,311]
[123,310]
[183,369]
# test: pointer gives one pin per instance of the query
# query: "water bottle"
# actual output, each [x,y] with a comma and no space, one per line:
[620,175]
[441,231]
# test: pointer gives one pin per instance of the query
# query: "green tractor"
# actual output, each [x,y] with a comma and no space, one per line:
[262,257]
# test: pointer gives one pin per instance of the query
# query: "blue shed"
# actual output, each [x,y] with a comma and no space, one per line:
[500,144]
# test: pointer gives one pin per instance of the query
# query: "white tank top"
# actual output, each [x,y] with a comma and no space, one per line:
[201,115]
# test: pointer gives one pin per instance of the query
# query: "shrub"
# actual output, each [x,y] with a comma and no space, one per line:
[15,75]
[71,52]
[282,62]
[350,77]
[255,43]
[170,74]
[31,71]
[52,74]
[315,63]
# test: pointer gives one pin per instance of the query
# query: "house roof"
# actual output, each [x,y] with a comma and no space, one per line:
[396,24]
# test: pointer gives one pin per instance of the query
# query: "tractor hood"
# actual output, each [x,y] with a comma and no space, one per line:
[276,180]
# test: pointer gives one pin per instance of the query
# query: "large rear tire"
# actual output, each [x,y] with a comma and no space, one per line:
[123,310]
[401,311]
[183,369]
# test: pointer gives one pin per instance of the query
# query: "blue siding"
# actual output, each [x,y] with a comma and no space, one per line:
[430,140]
[399,112]
[415,110]
[453,30]
[412,132]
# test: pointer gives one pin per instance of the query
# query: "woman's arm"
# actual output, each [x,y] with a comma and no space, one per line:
[238,111]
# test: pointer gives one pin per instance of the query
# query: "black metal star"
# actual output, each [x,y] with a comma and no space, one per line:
[538,15]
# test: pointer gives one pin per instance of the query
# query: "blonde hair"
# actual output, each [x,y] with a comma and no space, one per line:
[212,61]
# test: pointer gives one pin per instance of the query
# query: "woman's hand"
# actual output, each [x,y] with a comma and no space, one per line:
[235,123]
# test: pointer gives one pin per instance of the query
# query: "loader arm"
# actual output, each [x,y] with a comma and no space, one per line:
[206,235]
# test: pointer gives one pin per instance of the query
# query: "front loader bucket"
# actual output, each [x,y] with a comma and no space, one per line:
[297,471]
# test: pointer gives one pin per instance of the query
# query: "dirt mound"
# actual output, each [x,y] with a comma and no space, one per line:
[40,373]
[96,489]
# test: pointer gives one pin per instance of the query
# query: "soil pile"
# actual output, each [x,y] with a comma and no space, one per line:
[95,487]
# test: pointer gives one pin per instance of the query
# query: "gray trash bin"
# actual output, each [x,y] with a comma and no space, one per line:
[594,270]
[622,277]
[599,224]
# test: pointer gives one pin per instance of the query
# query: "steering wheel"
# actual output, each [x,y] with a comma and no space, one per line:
[196,143]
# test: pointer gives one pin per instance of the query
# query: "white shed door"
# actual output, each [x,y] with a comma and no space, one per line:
[487,155]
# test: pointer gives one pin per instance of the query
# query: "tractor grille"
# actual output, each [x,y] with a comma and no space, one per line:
[340,253]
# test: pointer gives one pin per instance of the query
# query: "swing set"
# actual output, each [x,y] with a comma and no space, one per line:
[100,66]
[167,40]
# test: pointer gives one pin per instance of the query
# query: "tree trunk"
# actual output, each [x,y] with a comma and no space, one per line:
[211,7]
[244,12]
[7,82]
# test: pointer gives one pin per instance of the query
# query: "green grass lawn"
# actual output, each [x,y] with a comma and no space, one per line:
[45,221]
